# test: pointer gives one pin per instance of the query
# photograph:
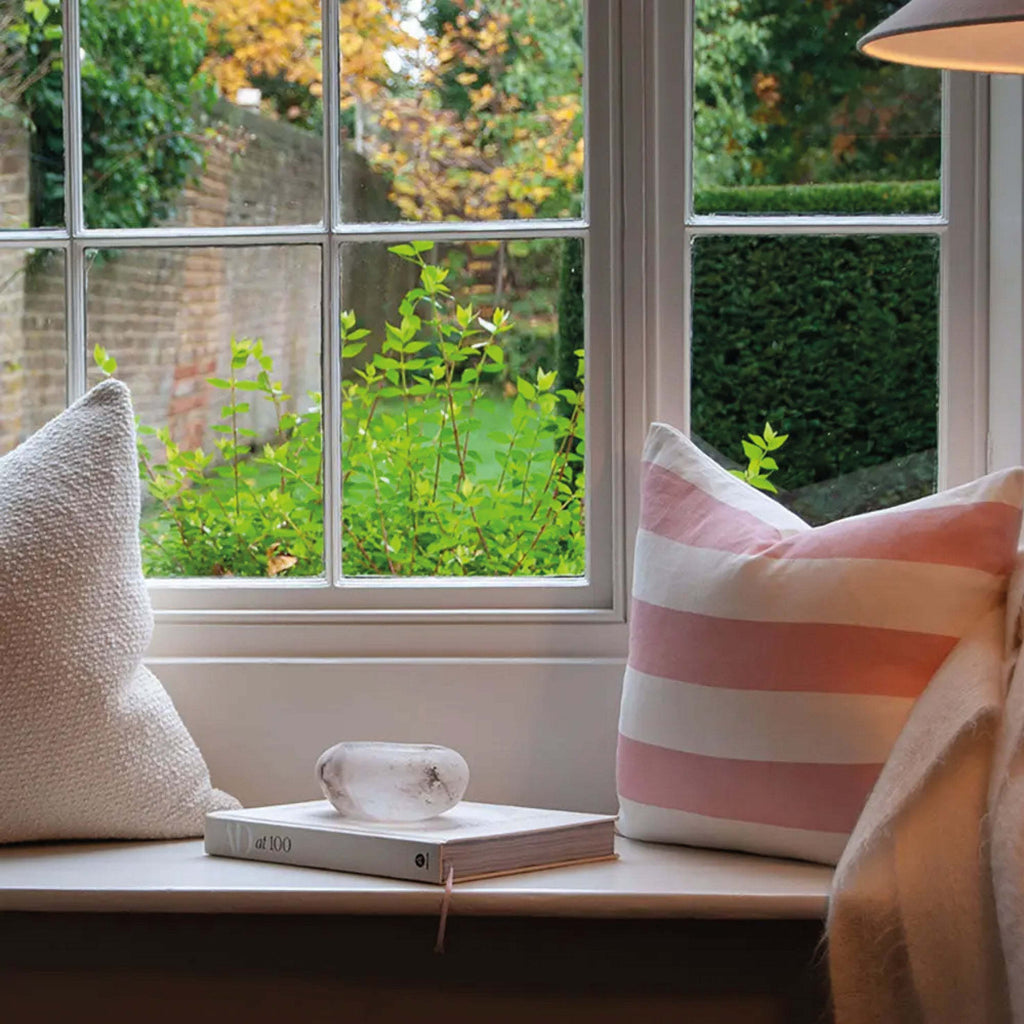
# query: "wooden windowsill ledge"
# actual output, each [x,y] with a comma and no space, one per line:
[647,881]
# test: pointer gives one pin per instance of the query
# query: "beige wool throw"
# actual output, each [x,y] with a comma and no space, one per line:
[91,746]
[927,909]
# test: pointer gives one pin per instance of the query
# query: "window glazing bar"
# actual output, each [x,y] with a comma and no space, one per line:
[815,225]
[391,231]
[74,264]
[330,265]
[42,238]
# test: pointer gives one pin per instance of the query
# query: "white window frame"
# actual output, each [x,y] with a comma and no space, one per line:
[598,598]
[960,226]
[638,231]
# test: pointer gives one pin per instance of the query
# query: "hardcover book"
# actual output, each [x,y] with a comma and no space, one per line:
[473,840]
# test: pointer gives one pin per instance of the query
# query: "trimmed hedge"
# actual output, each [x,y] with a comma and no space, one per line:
[881,197]
[832,339]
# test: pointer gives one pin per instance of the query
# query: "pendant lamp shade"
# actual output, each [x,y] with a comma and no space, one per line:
[962,35]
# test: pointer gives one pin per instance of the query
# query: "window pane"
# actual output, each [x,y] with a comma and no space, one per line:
[32,342]
[462,109]
[221,348]
[31,116]
[203,126]
[834,342]
[462,409]
[785,107]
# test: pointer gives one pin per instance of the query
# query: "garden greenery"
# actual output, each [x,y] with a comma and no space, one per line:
[143,103]
[428,489]
[832,339]
[760,462]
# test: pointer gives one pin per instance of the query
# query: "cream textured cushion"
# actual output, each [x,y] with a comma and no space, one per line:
[90,743]
[771,665]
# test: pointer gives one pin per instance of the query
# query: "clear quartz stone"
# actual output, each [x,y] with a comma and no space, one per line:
[400,782]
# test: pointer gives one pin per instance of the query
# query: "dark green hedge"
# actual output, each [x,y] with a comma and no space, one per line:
[833,339]
[887,197]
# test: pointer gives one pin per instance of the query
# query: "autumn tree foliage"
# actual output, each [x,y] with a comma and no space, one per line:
[471,109]
[783,97]
[495,130]
[276,46]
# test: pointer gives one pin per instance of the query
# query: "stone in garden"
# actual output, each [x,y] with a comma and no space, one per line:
[376,781]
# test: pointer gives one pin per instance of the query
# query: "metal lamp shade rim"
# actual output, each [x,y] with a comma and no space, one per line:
[941,34]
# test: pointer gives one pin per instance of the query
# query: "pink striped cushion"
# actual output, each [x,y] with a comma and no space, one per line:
[772,665]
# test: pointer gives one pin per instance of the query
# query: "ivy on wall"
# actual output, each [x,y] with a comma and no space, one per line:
[143,105]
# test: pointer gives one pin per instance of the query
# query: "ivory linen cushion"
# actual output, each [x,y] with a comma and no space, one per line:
[772,665]
[91,746]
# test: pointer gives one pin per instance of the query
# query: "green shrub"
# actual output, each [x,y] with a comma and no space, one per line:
[761,462]
[422,495]
[571,323]
[571,313]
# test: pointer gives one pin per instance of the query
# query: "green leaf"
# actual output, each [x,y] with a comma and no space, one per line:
[106,362]
[526,389]
[751,451]
[546,381]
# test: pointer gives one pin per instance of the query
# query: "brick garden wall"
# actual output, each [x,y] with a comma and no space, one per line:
[13,214]
[168,315]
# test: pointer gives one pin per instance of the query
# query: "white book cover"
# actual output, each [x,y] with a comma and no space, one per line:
[473,838]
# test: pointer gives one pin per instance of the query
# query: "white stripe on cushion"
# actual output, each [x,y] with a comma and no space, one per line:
[662,447]
[664,825]
[914,596]
[836,728]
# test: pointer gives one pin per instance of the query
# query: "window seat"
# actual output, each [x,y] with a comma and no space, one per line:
[104,933]
[647,881]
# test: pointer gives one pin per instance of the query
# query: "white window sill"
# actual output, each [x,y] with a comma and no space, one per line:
[647,881]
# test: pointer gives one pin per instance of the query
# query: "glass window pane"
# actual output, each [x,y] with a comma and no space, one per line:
[221,349]
[464,110]
[201,114]
[788,117]
[31,115]
[833,341]
[462,410]
[32,342]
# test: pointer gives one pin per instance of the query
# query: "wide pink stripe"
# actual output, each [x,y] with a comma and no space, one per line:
[978,536]
[820,797]
[796,656]
[678,510]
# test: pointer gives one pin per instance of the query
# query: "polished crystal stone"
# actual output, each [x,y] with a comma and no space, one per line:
[376,781]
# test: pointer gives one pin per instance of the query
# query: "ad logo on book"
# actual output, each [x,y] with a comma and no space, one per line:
[239,839]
